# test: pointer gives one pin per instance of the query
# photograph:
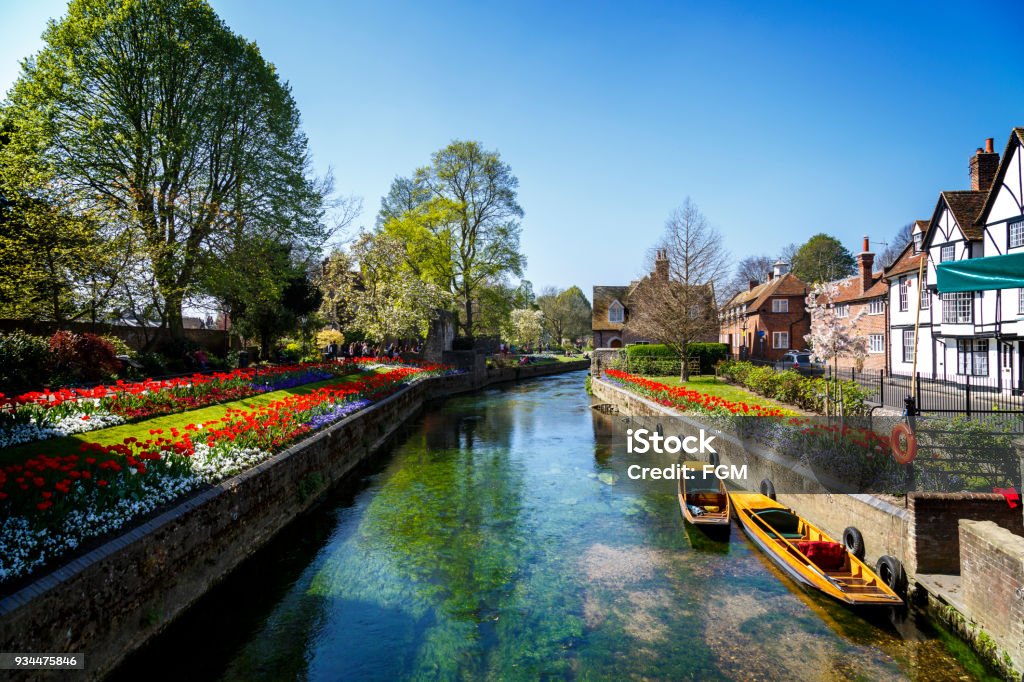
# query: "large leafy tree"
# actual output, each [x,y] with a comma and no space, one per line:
[459,221]
[154,117]
[567,313]
[371,290]
[823,258]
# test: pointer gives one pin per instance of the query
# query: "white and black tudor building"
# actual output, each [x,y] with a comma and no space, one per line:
[967,334]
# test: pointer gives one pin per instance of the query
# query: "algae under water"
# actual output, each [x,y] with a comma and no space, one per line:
[492,540]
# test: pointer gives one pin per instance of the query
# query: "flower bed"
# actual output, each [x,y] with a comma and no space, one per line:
[41,415]
[50,503]
[688,400]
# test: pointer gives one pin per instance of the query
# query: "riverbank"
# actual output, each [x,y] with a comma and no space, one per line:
[113,599]
[943,540]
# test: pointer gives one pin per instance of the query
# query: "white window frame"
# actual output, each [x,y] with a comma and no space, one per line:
[1020,301]
[617,308]
[876,306]
[904,301]
[958,308]
[972,357]
[780,305]
[843,310]
[942,253]
[1006,355]
[926,296]
[918,241]
[876,343]
[908,345]
[1015,234]
[777,338]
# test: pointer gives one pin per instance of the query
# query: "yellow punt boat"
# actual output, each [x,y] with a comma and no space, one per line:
[808,555]
[703,498]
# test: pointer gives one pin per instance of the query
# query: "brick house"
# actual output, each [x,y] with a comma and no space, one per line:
[768,319]
[863,299]
[612,306]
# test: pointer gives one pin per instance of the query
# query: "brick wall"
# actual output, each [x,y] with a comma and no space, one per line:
[864,327]
[992,583]
[934,529]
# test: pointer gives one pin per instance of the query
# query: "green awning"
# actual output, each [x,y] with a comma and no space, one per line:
[979,274]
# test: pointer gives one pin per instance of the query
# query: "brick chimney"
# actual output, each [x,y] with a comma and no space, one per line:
[751,283]
[865,263]
[984,165]
[661,265]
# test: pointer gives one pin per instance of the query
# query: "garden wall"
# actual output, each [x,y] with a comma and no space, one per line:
[214,341]
[111,600]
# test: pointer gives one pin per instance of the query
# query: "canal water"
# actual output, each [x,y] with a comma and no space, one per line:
[493,541]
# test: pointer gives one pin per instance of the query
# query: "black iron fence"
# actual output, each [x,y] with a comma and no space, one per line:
[962,394]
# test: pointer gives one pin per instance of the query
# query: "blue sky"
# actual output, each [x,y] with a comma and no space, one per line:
[779,121]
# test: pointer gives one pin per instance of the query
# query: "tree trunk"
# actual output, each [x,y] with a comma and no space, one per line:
[467,326]
[175,324]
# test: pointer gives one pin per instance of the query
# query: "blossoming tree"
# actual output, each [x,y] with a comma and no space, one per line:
[832,337]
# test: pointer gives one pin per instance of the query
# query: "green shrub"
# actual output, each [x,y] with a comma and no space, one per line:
[792,387]
[710,354]
[659,359]
[119,345]
[292,351]
[25,362]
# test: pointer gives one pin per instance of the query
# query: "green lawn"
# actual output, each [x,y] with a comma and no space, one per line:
[116,434]
[712,385]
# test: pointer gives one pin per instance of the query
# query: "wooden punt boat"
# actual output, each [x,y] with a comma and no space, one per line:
[808,555]
[703,499]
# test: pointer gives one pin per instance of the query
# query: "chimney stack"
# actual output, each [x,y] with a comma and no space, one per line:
[751,283]
[865,265]
[984,165]
[661,265]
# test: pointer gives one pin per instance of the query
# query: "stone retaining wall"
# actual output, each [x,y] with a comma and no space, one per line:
[113,599]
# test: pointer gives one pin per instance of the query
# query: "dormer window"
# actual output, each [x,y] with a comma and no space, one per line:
[615,312]
[918,241]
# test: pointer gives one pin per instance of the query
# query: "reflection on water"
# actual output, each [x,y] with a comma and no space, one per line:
[494,543]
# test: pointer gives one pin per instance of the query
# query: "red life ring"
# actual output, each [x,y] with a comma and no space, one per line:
[903,455]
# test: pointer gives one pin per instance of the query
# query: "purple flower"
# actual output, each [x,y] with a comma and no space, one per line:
[337,413]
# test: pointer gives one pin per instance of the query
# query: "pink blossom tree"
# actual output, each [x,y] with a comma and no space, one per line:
[832,336]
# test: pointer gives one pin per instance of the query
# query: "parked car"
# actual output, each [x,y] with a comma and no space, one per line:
[802,362]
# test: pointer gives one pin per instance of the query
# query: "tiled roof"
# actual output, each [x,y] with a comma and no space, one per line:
[908,261]
[1016,138]
[786,285]
[603,297]
[966,207]
[849,288]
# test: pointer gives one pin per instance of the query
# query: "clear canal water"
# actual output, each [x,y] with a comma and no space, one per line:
[492,541]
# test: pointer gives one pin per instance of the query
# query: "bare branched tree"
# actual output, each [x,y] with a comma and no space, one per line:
[675,305]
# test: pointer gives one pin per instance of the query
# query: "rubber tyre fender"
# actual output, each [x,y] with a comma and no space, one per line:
[854,542]
[890,571]
[713,459]
[899,453]
[767,488]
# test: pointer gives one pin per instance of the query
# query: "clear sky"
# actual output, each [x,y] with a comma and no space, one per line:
[779,119]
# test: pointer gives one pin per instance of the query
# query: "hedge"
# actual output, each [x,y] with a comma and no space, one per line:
[659,359]
[794,388]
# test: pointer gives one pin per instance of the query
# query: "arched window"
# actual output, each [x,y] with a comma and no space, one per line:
[615,312]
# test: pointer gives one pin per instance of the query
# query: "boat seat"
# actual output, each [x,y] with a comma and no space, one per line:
[785,523]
